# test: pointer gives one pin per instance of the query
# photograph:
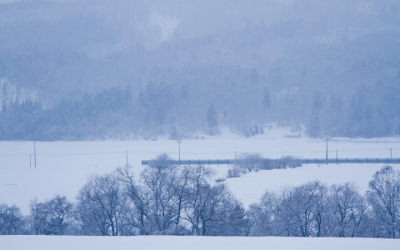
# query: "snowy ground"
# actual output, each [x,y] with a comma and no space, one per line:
[193,243]
[63,167]
[256,183]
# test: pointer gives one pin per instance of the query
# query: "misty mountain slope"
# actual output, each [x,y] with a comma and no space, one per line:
[239,33]
[234,55]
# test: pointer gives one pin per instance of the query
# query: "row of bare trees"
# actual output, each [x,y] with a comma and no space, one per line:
[165,199]
[179,200]
[312,209]
[315,210]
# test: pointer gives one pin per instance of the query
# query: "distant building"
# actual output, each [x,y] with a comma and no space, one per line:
[293,135]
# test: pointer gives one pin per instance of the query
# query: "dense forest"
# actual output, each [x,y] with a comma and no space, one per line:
[95,69]
[162,109]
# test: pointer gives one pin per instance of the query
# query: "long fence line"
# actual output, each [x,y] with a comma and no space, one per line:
[301,161]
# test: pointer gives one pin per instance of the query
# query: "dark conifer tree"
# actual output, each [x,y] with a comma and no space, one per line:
[266,98]
[315,129]
[211,119]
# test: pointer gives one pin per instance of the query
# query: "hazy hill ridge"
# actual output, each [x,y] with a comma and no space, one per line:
[331,66]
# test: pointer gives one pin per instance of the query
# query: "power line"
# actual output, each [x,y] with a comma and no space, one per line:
[192,153]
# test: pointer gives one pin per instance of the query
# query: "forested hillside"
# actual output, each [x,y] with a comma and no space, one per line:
[90,69]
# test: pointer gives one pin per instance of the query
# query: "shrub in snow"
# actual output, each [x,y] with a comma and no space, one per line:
[235,172]
[161,161]
[250,162]
[288,162]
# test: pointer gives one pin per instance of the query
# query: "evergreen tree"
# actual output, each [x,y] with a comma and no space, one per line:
[352,118]
[318,101]
[366,130]
[211,119]
[184,92]
[128,94]
[267,98]
[334,119]
[254,77]
[315,129]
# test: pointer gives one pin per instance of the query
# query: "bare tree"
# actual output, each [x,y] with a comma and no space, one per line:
[232,219]
[303,208]
[302,211]
[384,198]
[348,210]
[52,217]
[158,181]
[137,213]
[11,220]
[156,203]
[169,198]
[284,213]
[211,210]
[214,211]
[262,215]
[319,192]
[101,206]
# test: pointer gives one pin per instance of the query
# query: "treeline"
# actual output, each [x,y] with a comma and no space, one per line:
[162,109]
[105,114]
[157,110]
[372,111]
[179,200]
[271,62]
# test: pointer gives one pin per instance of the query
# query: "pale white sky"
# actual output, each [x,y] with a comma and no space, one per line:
[8,1]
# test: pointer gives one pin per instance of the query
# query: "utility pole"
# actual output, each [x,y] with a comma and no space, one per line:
[326,161]
[34,152]
[127,158]
[179,148]
[391,153]
[235,157]
[30,160]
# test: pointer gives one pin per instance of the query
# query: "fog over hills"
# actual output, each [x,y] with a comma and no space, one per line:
[193,66]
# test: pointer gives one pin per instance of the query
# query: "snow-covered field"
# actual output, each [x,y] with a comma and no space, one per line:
[192,243]
[63,167]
